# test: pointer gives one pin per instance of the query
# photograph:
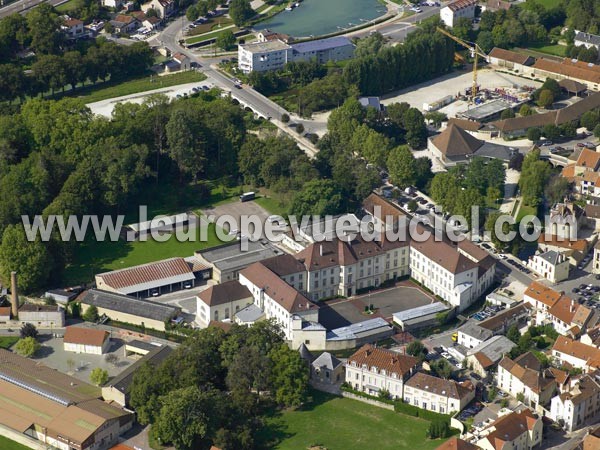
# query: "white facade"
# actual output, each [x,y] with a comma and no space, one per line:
[553,269]
[116,4]
[578,407]
[455,10]
[373,380]
[263,56]
[86,348]
[219,313]
[436,402]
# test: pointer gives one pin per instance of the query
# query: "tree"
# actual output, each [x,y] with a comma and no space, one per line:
[521,397]
[557,189]
[597,131]
[508,113]
[414,124]
[526,110]
[285,118]
[98,376]
[191,13]
[590,120]
[413,206]
[187,142]
[401,165]
[534,134]
[90,314]
[442,368]
[513,334]
[551,131]
[317,197]
[289,376]
[552,85]
[240,11]
[436,118]
[225,40]
[112,359]
[423,171]
[546,98]
[416,349]
[27,347]
[369,46]
[492,393]
[187,415]
[28,330]
[44,29]
[299,128]
[438,429]
[516,162]
[31,260]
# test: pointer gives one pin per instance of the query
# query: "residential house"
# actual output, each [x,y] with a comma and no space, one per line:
[86,340]
[268,35]
[542,298]
[436,394]
[488,354]
[584,172]
[596,258]
[327,369]
[164,8]
[73,28]
[459,274]
[567,351]
[568,317]
[591,337]
[580,406]
[221,301]
[552,265]
[592,215]
[179,62]
[152,23]
[125,24]
[4,314]
[525,375]
[115,4]
[588,40]
[373,369]
[458,9]
[501,322]
[455,443]
[566,220]
[574,249]
[471,335]
[512,430]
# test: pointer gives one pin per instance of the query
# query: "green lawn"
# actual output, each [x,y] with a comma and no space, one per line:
[207,36]
[67,6]
[525,211]
[343,424]
[7,444]
[556,50]
[272,204]
[548,4]
[95,257]
[147,83]
[8,341]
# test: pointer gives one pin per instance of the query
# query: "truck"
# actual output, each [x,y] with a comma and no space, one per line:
[247,196]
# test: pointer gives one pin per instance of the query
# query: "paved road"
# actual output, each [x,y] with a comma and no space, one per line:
[398,29]
[23,5]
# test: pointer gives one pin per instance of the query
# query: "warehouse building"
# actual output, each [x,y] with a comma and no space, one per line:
[149,280]
[56,409]
[127,309]
[43,316]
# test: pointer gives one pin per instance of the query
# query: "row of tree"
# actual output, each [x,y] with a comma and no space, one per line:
[217,387]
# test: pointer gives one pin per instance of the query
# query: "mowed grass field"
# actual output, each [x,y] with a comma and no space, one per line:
[7,444]
[343,424]
[7,342]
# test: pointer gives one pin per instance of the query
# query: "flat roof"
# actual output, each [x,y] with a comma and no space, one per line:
[231,256]
[142,345]
[130,305]
[485,110]
[419,311]
[268,46]
[249,314]
[370,326]
[321,44]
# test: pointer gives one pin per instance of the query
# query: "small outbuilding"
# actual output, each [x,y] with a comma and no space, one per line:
[86,340]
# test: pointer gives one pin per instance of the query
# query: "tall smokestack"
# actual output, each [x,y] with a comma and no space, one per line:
[14,294]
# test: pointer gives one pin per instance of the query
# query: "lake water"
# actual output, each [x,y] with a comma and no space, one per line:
[318,17]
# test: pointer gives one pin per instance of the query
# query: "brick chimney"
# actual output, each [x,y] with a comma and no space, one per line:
[14,295]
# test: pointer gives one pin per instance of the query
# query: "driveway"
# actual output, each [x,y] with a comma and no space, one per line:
[235,210]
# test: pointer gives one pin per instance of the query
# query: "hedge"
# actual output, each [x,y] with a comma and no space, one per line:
[401,407]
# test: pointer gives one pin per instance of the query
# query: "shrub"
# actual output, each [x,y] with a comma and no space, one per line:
[438,429]
[90,314]
[285,118]
[27,347]
[28,330]
[299,128]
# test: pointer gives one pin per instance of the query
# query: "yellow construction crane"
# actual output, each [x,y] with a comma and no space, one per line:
[475,51]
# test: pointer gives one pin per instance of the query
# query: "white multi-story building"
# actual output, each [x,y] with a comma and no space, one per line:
[341,268]
[277,299]
[525,375]
[373,369]
[471,335]
[274,54]
[552,265]
[457,9]
[580,406]
[458,274]
[221,302]
[576,354]
[436,394]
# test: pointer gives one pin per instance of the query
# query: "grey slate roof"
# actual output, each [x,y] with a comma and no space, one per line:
[587,38]
[130,305]
[305,353]
[477,332]
[326,360]
[250,313]
[321,44]
[551,256]
[122,382]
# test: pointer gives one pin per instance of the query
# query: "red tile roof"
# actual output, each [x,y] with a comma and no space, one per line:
[455,443]
[85,336]
[439,386]
[507,55]
[224,293]
[543,294]
[382,359]
[146,273]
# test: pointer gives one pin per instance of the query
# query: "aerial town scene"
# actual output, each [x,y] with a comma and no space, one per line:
[299,224]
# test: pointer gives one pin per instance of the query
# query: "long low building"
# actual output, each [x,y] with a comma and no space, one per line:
[56,409]
[124,308]
[419,317]
[150,279]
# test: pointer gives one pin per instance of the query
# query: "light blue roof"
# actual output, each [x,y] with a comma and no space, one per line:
[351,331]
[321,44]
[419,311]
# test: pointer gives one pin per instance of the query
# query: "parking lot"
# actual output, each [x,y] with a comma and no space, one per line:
[339,313]
[236,209]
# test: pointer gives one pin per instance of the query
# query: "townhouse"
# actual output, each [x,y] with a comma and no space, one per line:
[221,302]
[552,265]
[471,335]
[438,395]
[525,375]
[458,9]
[512,430]
[488,354]
[584,172]
[579,406]
[576,354]
[373,369]
[458,274]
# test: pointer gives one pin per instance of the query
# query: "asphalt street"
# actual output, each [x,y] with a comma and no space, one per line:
[24,5]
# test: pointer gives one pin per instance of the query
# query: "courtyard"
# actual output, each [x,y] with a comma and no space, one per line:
[343,312]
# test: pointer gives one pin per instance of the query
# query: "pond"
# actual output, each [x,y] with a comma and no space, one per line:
[318,17]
